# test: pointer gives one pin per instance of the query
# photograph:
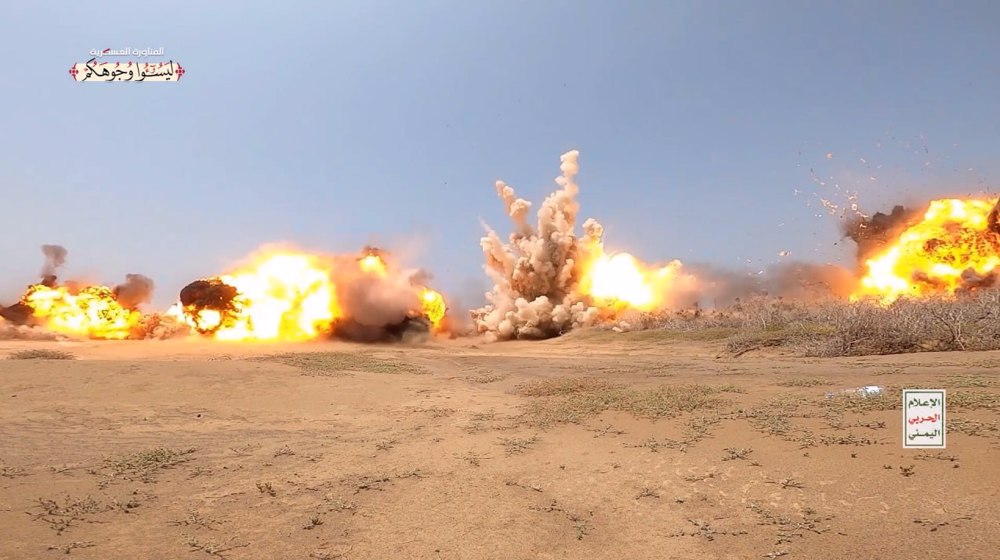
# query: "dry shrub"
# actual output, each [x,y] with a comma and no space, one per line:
[890,398]
[686,320]
[562,386]
[41,354]
[661,402]
[337,362]
[832,328]
[911,325]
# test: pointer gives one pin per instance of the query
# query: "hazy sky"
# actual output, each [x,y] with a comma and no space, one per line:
[334,124]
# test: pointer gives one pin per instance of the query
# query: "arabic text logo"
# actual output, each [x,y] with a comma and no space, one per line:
[126,71]
[924,418]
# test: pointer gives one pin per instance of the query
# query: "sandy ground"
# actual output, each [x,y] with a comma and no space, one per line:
[592,446]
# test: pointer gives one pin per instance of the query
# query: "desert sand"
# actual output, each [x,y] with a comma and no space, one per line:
[593,445]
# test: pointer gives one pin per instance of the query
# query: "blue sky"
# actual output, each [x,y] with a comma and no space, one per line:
[335,124]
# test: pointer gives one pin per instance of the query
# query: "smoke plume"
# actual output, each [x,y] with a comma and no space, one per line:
[136,290]
[377,308]
[74,309]
[796,281]
[371,300]
[547,281]
[536,274]
[21,313]
[157,326]
[55,257]
[874,232]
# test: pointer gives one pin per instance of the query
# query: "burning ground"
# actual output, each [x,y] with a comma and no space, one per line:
[286,295]
[276,294]
[547,280]
[75,310]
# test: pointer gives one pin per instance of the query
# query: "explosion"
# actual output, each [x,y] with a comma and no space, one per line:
[548,281]
[93,311]
[620,281]
[275,295]
[294,296]
[432,303]
[546,278]
[286,297]
[952,248]
[433,306]
[90,311]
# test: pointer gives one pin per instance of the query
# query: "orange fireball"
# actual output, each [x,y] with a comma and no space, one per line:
[92,312]
[290,296]
[373,264]
[433,306]
[281,296]
[955,245]
[620,281]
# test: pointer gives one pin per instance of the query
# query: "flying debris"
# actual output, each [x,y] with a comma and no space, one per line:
[874,232]
[136,290]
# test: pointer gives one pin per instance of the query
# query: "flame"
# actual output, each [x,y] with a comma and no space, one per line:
[432,303]
[937,255]
[93,311]
[283,296]
[622,281]
[291,297]
[373,264]
[433,306]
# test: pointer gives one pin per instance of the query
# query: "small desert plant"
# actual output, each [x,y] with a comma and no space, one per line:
[661,402]
[144,465]
[41,354]
[804,382]
[562,386]
[342,362]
